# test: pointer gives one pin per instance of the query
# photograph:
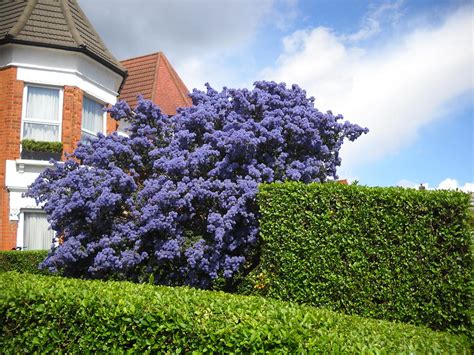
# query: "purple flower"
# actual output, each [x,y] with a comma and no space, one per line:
[177,198]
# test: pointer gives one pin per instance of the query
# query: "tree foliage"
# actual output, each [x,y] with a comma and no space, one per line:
[176,199]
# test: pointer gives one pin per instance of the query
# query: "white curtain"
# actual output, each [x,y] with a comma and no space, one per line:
[42,104]
[92,116]
[41,132]
[36,232]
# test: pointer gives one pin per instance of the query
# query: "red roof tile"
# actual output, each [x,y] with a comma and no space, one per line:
[153,77]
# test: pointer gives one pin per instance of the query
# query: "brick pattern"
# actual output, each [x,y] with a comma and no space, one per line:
[11,98]
[112,125]
[72,115]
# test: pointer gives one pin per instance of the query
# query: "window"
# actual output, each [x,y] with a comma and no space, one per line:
[42,114]
[92,118]
[36,232]
[123,128]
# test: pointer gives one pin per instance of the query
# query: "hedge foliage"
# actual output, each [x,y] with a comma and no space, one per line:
[40,146]
[387,253]
[22,261]
[45,314]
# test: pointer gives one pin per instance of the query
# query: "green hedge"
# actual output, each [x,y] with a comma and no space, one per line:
[50,314]
[40,146]
[387,253]
[22,261]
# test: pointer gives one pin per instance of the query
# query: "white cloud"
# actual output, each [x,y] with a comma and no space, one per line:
[388,13]
[407,183]
[197,36]
[446,184]
[452,184]
[395,89]
[184,27]
[412,185]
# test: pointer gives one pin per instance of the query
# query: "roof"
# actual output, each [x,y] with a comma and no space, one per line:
[153,77]
[56,24]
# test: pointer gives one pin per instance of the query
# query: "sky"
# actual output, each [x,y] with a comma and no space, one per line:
[404,69]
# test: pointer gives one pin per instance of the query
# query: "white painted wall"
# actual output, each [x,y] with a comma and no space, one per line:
[49,66]
[19,175]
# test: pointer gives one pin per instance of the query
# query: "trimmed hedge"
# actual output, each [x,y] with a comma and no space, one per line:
[49,314]
[22,261]
[41,146]
[387,253]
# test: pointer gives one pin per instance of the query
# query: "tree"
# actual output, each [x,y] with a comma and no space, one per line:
[175,201]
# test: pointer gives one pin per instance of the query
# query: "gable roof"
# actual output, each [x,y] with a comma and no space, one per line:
[153,77]
[56,24]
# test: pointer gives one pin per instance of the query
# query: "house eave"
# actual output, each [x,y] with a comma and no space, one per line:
[82,49]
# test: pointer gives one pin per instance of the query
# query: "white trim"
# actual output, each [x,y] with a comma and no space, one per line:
[20,230]
[64,71]
[104,115]
[49,66]
[58,123]
[65,78]
[20,236]
[33,162]
[122,134]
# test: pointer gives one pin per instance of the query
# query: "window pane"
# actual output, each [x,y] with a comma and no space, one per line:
[124,126]
[42,104]
[92,116]
[41,132]
[37,234]
[86,137]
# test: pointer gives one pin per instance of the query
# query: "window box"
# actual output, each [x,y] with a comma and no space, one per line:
[33,155]
[37,150]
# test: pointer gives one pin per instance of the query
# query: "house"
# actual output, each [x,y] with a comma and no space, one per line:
[153,77]
[56,75]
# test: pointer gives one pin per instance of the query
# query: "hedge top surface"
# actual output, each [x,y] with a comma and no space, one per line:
[22,261]
[75,315]
[388,253]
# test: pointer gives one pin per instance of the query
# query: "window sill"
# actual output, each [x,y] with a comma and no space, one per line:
[33,162]
[22,162]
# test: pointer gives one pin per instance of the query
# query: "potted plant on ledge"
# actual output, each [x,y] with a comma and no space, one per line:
[37,150]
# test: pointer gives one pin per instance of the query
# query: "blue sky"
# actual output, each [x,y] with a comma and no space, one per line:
[402,68]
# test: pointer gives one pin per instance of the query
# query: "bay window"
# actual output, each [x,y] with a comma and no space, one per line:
[37,234]
[93,118]
[42,114]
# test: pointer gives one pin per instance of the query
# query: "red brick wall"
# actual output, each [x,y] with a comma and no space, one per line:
[11,97]
[72,116]
[112,125]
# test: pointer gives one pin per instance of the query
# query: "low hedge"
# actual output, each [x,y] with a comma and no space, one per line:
[22,261]
[387,253]
[45,314]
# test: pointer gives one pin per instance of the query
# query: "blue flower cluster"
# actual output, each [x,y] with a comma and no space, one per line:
[175,201]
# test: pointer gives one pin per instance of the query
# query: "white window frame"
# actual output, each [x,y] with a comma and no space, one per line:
[104,115]
[122,133]
[24,119]
[20,236]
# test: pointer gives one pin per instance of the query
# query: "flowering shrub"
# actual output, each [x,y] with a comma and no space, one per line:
[176,199]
